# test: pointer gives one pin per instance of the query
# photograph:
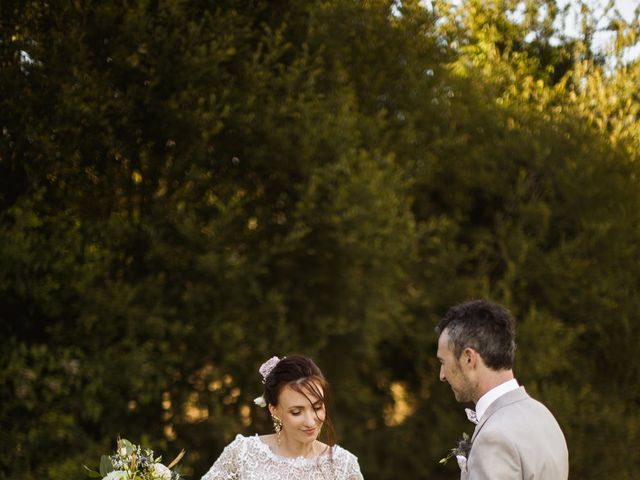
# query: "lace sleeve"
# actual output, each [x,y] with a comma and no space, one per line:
[349,467]
[227,466]
[353,469]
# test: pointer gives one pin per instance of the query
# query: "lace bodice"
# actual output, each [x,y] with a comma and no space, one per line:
[249,458]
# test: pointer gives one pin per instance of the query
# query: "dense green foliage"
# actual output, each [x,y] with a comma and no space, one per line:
[190,187]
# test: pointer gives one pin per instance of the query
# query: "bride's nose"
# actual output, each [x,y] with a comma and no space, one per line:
[310,419]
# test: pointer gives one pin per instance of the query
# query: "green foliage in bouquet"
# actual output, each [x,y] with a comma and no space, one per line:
[132,462]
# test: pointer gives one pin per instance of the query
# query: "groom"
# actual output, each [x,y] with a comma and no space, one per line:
[516,437]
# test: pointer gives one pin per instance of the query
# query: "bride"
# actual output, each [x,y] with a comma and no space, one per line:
[294,392]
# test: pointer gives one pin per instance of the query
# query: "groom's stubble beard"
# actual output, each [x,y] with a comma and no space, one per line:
[463,392]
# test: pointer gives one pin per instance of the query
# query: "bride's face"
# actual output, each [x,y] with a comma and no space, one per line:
[302,415]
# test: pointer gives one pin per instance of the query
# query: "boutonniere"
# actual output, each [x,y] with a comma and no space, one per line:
[460,451]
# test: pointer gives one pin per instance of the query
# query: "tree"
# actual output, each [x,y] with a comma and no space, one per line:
[188,189]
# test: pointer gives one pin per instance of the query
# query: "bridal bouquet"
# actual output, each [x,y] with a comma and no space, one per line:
[132,462]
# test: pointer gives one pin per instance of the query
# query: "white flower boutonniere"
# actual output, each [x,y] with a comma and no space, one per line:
[460,451]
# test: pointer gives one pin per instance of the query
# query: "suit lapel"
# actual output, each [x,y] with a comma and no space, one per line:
[506,399]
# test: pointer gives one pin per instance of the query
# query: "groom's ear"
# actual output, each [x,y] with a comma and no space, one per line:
[469,357]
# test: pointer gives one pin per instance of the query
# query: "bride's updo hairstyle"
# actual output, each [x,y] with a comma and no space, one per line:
[301,374]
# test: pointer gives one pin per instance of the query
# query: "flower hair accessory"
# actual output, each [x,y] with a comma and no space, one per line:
[266,367]
[265,370]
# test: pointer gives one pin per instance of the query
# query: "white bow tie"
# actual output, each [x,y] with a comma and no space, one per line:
[471,415]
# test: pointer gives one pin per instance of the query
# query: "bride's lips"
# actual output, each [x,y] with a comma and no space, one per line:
[310,431]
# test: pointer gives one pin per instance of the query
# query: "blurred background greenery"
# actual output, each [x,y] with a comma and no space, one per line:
[189,187]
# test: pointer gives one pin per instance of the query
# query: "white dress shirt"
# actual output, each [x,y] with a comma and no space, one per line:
[493,394]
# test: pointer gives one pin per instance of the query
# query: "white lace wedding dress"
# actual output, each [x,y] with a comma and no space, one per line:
[249,458]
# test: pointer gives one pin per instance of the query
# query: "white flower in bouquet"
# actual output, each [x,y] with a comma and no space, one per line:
[161,472]
[116,475]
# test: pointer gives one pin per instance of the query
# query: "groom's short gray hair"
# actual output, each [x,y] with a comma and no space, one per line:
[487,327]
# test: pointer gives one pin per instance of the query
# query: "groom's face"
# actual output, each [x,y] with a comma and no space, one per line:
[451,371]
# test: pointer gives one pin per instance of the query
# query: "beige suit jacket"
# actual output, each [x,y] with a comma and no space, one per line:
[517,439]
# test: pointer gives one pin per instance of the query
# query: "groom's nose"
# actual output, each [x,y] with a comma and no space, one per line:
[442,376]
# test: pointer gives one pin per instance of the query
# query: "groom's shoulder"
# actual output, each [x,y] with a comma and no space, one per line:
[519,406]
[534,405]
[521,409]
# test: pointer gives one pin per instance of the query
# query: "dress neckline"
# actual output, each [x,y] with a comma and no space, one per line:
[299,459]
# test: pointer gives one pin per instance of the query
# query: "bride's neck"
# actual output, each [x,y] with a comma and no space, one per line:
[292,448]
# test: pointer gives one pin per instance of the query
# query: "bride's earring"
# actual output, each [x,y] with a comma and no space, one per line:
[277,426]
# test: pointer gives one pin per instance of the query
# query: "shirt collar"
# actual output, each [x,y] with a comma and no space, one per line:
[493,394]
